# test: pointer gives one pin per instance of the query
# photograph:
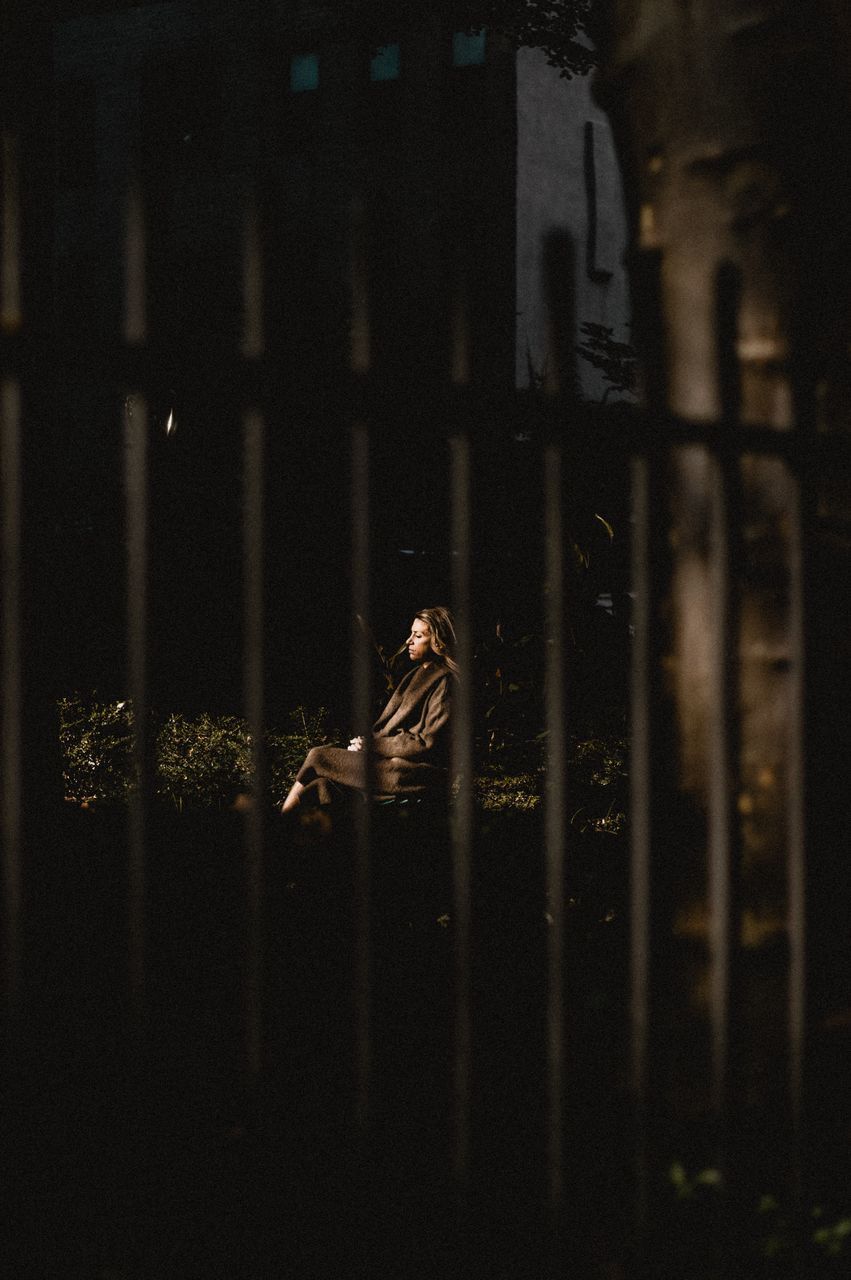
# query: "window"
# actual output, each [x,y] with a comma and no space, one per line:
[468,50]
[385,64]
[304,72]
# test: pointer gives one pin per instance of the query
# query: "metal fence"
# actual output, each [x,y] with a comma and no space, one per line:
[559,1232]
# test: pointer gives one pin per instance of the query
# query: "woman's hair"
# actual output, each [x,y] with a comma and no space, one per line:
[442,627]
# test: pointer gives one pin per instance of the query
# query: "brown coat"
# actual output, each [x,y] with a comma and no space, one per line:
[409,750]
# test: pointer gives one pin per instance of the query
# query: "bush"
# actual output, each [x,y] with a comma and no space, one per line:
[286,751]
[596,786]
[205,761]
[200,761]
[95,739]
[600,782]
[495,790]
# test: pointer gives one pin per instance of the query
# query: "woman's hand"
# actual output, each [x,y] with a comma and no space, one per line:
[356,744]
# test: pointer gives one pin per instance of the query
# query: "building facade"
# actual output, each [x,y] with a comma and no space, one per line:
[471,157]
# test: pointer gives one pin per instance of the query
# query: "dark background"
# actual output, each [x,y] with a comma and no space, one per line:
[435,164]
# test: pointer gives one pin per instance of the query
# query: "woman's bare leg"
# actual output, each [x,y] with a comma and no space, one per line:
[293,798]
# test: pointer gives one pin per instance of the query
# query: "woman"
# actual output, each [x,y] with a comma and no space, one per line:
[408,751]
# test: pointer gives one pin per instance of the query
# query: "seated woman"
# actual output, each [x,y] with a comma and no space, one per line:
[408,751]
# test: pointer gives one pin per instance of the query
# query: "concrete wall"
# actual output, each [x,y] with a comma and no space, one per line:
[554,201]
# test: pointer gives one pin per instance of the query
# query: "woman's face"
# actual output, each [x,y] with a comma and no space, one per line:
[419,641]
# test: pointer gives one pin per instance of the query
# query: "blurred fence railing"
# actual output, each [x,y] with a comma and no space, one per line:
[651,443]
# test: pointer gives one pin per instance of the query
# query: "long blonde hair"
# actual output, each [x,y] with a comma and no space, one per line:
[441,624]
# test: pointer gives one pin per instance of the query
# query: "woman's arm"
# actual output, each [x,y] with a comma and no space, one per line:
[407,744]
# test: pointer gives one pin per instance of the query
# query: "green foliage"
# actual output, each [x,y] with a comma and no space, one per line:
[617,361]
[206,760]
[602,761]
[557,27]
[779,1236]
[285,751]
[496,791]
[509,692]
[834,1239]
[95,740]
[686,1186]
[610,823]
[598,776]
[785,1242]
[561,29]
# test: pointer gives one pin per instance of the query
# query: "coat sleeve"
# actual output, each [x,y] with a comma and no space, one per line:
[408,745]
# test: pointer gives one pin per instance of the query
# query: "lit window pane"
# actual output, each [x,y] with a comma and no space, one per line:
[304,72]
[385,64]
[468,50]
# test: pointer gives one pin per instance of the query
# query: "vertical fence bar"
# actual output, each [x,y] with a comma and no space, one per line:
[796,820]
[723,848]
[12,782]
[10,567]
[462,826]
[254,438]
[360,359]
[723,842]
[462,748]
[640,826]
[721,810]
[10,267]
[361,708]
[555,818]
[560,267]
[136,514]
[648,742]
